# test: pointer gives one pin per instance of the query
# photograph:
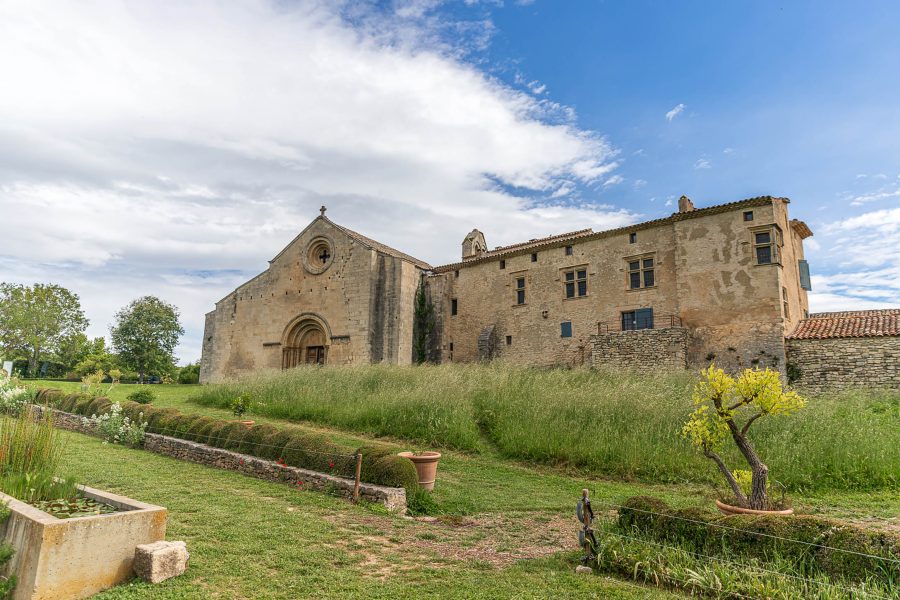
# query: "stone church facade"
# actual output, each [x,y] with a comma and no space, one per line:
[723,283]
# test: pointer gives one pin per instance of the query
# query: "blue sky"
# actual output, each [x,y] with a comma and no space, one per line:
[173,148]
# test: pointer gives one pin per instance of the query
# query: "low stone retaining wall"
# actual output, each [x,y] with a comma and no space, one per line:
[644,349]
[394,499]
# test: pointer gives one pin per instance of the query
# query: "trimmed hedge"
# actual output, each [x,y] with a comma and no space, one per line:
[294,446]
[838,549]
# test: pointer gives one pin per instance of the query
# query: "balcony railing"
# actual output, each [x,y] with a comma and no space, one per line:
[652,321]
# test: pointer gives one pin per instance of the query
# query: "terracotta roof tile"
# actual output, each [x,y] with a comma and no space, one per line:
[854,323]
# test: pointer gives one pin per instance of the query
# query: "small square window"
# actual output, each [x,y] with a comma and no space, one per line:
[632,238]
[565,329]
[451,346]
[534,257]
[454,306]
[748,216]
[568,250]
[509,340]
[502,264]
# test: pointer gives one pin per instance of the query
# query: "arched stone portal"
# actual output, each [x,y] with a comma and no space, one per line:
[305,342]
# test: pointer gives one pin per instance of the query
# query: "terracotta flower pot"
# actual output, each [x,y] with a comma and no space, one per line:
[426,466]
[728,510]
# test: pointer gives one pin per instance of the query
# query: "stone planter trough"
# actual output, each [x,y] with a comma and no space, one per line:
[76,558]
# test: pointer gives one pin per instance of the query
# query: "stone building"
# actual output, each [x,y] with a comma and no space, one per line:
[846,349]
[723,283]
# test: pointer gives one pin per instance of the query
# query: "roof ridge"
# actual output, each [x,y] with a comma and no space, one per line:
[378,246]
[677,216]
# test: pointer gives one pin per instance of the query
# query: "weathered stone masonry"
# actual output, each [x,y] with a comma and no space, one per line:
[846,349]
[643,350]
[334,296]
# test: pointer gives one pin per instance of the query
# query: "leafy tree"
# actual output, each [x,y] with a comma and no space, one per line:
[722,402]
[99,358]
[189,373]
[423,324]
[35,321]
[145,335]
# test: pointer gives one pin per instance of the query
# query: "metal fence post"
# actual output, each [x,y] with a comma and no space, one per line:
[358,473]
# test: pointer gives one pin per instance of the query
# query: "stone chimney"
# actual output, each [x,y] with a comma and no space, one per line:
[685,204]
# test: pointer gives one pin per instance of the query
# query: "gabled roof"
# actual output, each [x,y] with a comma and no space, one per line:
[377,246]
[587,234]
[853,323]
[536,242]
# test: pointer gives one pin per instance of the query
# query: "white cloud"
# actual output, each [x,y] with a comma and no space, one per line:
[675,112]
[882,194]
[614,180]
[639,183]
[702,163]
[174,148]
[728,151]
[866,252]
[639,152]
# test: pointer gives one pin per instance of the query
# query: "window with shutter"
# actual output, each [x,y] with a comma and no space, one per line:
[805,281]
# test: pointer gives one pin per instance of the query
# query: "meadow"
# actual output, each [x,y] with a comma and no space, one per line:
[617,425]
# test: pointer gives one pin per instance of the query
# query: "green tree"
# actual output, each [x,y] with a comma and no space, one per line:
[98,358]
[423,324]
[190,373]
[36,320]
[727,407]
[145,335]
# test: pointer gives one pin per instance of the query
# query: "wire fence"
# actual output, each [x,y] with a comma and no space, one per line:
[892,578]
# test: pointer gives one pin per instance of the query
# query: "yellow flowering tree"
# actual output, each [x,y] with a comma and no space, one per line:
[725,406]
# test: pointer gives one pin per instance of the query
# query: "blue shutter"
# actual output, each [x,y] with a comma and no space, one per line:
[566,329]
[805,283]
[643,318]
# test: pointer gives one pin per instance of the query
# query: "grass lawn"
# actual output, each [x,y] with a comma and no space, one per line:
[255,539]
[506,529]
[475,483]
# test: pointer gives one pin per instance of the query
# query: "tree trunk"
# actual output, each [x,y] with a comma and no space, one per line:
[33,363]
[141,377]
[739,496]
[759,498]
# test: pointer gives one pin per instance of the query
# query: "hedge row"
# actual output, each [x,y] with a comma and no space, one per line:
[840,550]
[291,445]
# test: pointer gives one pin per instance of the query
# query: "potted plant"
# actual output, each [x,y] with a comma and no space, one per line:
[426,463]
[728,407]
[241,405]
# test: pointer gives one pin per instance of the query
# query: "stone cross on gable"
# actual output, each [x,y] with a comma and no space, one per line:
[322,211]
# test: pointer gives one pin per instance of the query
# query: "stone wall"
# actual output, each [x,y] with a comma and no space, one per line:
[705,274]
[394,499]
[643,350]
[827,364]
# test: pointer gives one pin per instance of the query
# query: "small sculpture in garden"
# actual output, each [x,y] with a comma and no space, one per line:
[726,406]
[586,539]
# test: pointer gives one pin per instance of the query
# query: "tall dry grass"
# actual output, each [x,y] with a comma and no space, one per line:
[617,424]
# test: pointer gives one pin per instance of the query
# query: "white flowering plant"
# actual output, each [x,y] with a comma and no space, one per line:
[12,397]
[118,428]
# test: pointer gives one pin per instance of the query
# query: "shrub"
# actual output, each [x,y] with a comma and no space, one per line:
[82,405]
[198,431]
[273,445]
[229,436]
[255,437]
[189,373]
[98,406]
[158,420]
[142,395]
[837,549]
[118,428]
[382,465]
